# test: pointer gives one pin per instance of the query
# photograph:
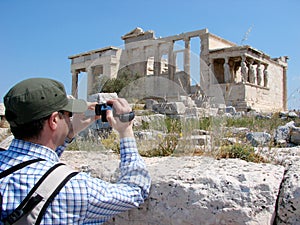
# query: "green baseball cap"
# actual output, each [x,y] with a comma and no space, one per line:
[35,98]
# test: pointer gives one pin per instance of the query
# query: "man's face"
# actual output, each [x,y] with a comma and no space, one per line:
[65,125]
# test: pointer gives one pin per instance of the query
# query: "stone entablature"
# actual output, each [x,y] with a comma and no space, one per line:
[104,61]
[94,54]
[222,63]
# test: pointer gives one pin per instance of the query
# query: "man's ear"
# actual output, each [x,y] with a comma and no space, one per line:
[52,121]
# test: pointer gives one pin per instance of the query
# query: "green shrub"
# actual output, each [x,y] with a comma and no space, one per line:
[173,125]
[117,84]
[112,142]
[241,151]
[168,145]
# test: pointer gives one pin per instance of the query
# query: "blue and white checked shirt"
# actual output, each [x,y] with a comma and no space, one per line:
[83,200]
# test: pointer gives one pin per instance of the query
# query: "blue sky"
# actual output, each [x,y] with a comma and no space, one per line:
[37,36]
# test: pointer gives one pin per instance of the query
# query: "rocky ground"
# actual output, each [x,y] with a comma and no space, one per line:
[206,190]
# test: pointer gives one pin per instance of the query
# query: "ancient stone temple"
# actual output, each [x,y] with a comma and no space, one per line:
[239,76]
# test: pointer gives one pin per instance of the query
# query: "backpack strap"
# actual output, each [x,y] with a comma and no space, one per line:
[14,169]
[33,207]
[18,167]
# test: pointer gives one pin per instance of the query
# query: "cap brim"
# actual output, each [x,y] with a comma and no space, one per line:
[76,106]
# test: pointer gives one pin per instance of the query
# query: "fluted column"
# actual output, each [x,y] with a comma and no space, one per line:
[144,61]
[211,77]
[90,80]
[187,66]
[157,60]
[171,63]
[75,83]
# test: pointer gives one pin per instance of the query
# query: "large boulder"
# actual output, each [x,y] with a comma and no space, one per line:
[149,103]
[282,133]
[288,203]
[295,135]
[101,97]
[197,190]
[170,108]
[289,198]
[258,138]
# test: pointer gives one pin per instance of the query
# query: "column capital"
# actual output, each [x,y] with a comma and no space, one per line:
[187,38]
[74,72]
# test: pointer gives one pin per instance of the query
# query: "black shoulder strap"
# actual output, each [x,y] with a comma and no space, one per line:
[18,167]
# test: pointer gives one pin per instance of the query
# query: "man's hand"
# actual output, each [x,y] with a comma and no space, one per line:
[80,121]
[121,106]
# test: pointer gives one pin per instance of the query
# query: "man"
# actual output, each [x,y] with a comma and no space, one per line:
[39,112]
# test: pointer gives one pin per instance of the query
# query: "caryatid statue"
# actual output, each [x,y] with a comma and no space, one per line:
[266,76]
[259,73]
[252,72]
[227,74]
[244,70]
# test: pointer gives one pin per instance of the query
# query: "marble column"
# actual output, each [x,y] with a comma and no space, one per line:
[171,61]
[202,65]
[187,66]
[211,78]
[75,83]
[157,60]
[90,80]
[145,61]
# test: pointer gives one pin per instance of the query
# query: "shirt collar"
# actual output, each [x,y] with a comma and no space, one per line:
[33,150]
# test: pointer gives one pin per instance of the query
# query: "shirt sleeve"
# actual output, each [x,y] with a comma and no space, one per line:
[132,167]
[132,188]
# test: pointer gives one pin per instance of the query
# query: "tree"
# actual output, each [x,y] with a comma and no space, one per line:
[117,84]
